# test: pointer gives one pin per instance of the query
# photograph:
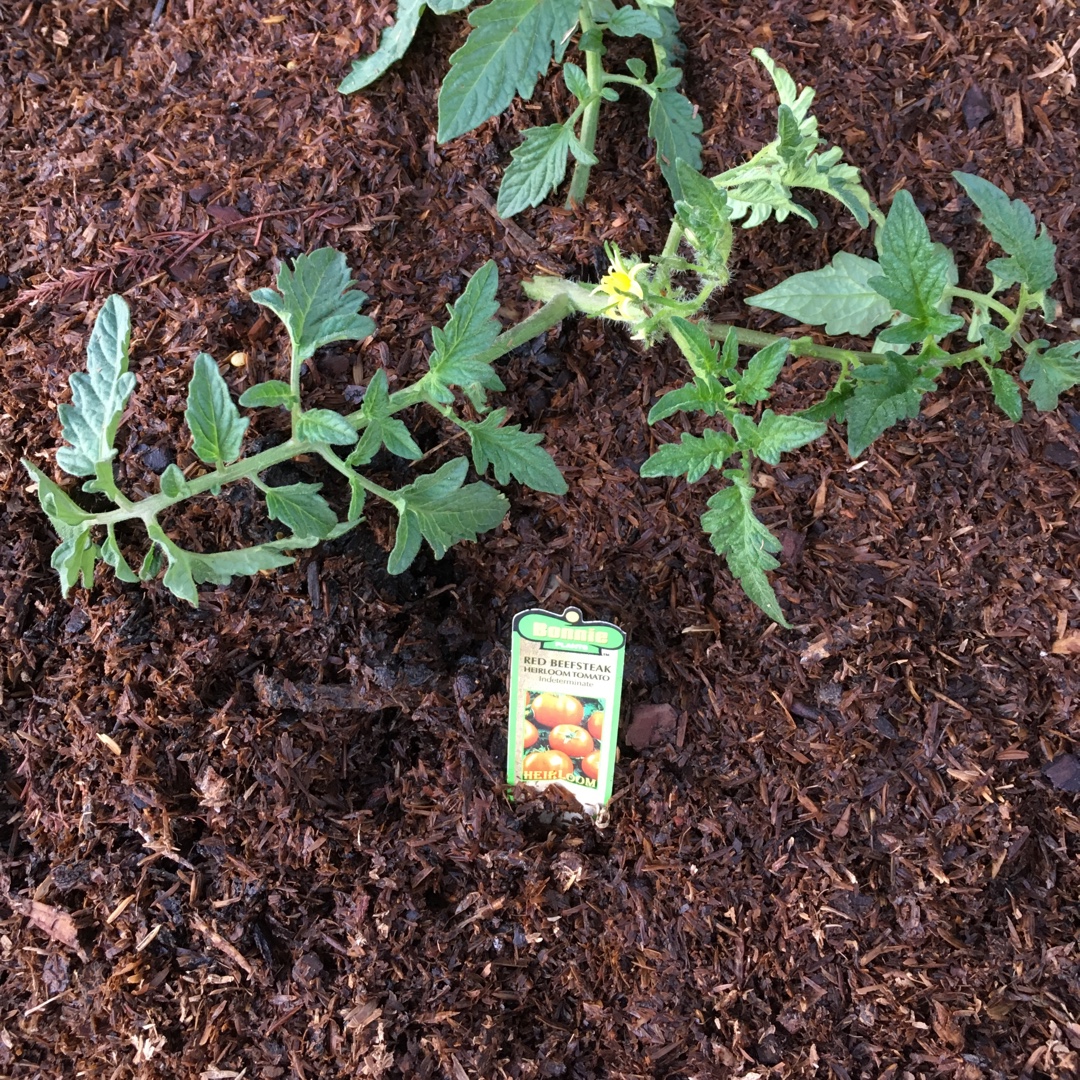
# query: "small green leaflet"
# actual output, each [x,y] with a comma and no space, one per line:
[68,519]
[324,426]
[787,90]
[705,217]
[744,542]
[513,453]
[916,273]
[1012,226]
[676,127]
[471,330]
[761,372]
[510,46]
[692,456]
[1006,393]
[217,429]
[438,509]
[698,349]
[382,428]
[775,434]
[98,399]
[837,296]
[702,395]
[74,559]
[188,569]
[317,302]
[669,47]
[628,22]
[110,553]
[885,394]
[301,508]
[1051,371]
[268,395]
[394,42]
[537,167]
[173,483]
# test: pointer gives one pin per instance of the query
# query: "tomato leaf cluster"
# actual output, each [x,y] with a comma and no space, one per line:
[318,304]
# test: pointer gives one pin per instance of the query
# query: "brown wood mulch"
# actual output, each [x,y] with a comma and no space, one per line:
[269,838]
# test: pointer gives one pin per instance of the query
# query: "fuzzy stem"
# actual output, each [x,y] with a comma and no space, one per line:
[590,122]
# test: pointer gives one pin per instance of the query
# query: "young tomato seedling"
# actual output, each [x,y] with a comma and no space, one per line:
[318,304]
[512,44]
[909,291]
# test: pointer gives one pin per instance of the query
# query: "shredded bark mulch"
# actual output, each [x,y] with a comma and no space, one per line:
[269,838]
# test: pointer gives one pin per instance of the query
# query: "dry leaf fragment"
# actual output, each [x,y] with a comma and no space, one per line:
[652,725]
[1067,645]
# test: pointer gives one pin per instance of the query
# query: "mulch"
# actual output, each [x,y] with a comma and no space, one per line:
[270,837]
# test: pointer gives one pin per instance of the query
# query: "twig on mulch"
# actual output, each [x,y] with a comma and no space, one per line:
[143,262]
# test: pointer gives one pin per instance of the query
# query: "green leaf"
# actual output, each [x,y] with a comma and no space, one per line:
[98,399]
[705,217]
[1051,371]
[512,452]
[446,7]
[75,559]
[1012,226]
[745,543]
[173,483]
[916,273]
[577,82]
[217,429]
[798,102]
[676,127]
[317,302]
[702,395]
[627,22]
[837,296]
[301,508]
[437,508]
[775,435]
[357,498]
[65,516]
[1006,393]
[470,332]
[885,394]
[188,569]
[696,346]
[383,429]
[111,554]
[537,167]
[511,45]
[832,406]
[761,372]
[394,41]
[268,395]
[692,456]
[324,426]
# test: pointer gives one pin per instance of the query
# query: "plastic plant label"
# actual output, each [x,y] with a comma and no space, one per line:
[565,687]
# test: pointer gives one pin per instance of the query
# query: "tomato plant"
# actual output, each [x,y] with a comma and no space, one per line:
[551,710]
[547,765]
[596,725]
[571,739]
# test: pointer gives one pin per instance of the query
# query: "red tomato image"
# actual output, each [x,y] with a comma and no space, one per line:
[596,725]
[590,766]
[572,740]
[551,710]
[547,765]
[531,734]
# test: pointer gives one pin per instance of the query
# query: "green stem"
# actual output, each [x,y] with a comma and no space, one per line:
[800,346]
[984,301]
[594,72]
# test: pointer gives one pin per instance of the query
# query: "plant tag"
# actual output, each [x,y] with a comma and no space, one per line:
[565,687]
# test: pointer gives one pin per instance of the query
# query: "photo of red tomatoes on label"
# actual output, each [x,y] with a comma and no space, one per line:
[565,683]
[561,734]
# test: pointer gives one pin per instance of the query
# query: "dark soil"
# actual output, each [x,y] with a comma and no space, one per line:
[269,838]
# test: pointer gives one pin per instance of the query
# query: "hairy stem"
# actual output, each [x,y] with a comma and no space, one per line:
[590,122]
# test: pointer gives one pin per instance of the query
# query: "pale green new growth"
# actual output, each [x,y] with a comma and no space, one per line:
[318,304]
